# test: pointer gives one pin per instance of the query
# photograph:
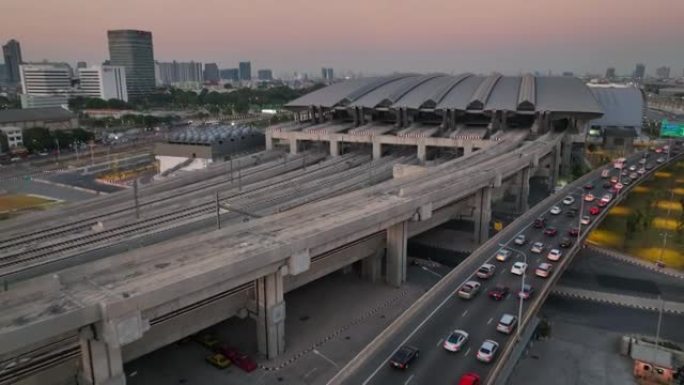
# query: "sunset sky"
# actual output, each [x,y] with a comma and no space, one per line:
[369,36]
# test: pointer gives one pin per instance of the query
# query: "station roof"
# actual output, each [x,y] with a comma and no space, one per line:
[465,92]
[622,106]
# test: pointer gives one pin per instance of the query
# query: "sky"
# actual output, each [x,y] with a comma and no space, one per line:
[364,36]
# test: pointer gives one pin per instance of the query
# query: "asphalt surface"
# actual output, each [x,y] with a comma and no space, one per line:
[478,316]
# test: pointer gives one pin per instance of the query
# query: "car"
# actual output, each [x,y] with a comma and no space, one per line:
[634,175]
[550,231]
[526,291]
[642,160]
[660,160]
[456,340]
[543,270]
[502,255]
[658,150]
[403,357]
[487,351]
[594,210]
[568,200]
[585,220]
[649,166]
[469,379]
[469,289]
[624,172]
[571,213]
[218,360]
[601,204]
[607,185]
[565,243]
[589,197]
[554,255]
[613,179]
[537,248]
[240,359]
[626,181]
[607,197]
[632,168]
[485,271]
[573,232]
[555,210]
[605,173]
[520,239]
[588,186]
[641,171]
[519,268]
[498,293]
[618,186]
[539,222]
[507,323]
[207,340]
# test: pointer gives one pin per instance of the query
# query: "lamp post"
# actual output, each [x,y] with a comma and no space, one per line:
[522,287]
[581,214]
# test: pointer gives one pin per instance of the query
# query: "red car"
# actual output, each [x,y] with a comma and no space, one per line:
[594,210]
[573,232]
[498,292]
[550,231]
[469,379]
[239,359]
[588,186]
[602,203]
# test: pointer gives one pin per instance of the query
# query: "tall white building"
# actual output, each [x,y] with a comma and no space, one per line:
[104,82]
[45,84]
[178,72]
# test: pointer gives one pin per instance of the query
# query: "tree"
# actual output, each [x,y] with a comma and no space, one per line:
[37,139]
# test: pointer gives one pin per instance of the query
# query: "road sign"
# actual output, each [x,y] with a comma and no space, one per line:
[671,129]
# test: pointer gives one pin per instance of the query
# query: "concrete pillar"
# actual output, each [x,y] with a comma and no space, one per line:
[269,140]
[467,149]
[566,161]
[312,114]
[555,165]
[371,267]
[504,126]
[422,152]
[397,117]
[334,148]
[377,149]
[270,315]
[483,214]
[293,146]
[523,198]
[396,254]
[101,360]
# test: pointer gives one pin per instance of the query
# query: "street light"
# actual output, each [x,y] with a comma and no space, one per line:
[522,287]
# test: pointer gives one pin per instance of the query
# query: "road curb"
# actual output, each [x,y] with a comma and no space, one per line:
[633,260]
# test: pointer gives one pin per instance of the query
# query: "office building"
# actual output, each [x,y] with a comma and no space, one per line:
[211,73]
[663,72]
[45,84]
[81,64]
[14,136]
[11,53]
[245,70]
[133,50]
[3,73]
[610,73]
[639,71]
[104,82]
[179,72]
[265,75]
[230,74]
[327,74]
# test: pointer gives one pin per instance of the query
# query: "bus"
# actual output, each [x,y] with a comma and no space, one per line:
[619,163]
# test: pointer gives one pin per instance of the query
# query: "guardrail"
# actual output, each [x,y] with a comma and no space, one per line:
[541,298]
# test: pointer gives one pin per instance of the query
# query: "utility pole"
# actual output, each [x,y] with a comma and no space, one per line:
[135,198]
[218,212]
[57,144]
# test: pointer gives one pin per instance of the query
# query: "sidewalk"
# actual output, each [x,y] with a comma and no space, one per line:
[620,299]
[635,261]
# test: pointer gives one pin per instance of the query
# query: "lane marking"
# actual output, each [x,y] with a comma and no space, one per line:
[464,313]
[440,341]
[310,372]
[490,320]
[466,353]
[409,379]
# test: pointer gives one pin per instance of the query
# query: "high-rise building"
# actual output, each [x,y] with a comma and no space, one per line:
[324,73]
[230,74]
[81,64]
[663,72]
[45,84]
[104,82]
[265,75]
[610,73]
[12,55]
[329,74]
[133,50]
[245,70]
[211,73]
[639,71]
[179,72]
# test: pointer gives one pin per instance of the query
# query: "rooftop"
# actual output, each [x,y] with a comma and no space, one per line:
[31,114]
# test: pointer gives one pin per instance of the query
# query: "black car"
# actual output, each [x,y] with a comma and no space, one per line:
[403,357]
[607,185]
[571,213]
[539,223]
[565,243]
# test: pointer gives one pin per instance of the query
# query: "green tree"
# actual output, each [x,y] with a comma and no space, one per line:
[37,139]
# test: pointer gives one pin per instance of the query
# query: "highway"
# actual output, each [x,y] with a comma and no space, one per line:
[478,316]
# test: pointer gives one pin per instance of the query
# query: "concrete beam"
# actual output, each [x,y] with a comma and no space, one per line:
[371,267]
[524,194]
[270,315]
[396,253]
[269,140]
[294,149]
[101,360]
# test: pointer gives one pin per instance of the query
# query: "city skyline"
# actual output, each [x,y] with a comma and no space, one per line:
[408,35]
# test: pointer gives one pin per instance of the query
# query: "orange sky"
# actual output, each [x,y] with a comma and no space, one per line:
[364,35]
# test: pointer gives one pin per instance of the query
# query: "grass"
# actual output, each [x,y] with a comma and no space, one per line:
[17,202]
[652,199]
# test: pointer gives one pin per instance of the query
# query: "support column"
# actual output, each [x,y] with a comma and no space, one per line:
[522,204]
[371,266]
[396,254]
[101,360]
[269,140]
[334,148]
[483,214]
[555,165]
[422,152]
[293,146]
[566,161]
[270,315]
[467,149]
[377,149]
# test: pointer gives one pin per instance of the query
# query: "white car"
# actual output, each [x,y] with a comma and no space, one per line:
[555,210]
[607,197]
[537,247]
[568,200]
[487,351]
[632,168]
[660,160]
[605,173]
[485,271]
[503,255]
[589,197]
[554,255]
[641,171]
[585,220]
[456,340]
[507,323]
[520,239]
[469,289]
[634,175]
[519,268]
[543,270]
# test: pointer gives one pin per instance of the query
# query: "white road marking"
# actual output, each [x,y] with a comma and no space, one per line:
[331,362]
[310,372]
[409,379]
[440,341]
[490,320]
[464,313]
[466,353]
